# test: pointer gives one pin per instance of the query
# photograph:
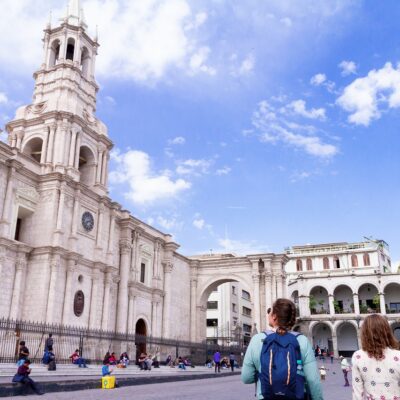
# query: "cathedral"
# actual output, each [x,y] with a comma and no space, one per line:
[69,254]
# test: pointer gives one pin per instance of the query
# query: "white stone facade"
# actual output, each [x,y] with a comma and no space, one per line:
[71,255]
[336,285]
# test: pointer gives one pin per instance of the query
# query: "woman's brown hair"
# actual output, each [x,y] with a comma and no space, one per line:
[285,313]
[376,336]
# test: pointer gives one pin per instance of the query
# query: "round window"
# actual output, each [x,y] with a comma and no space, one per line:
[79,303]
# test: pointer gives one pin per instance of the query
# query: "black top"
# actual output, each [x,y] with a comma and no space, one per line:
[23,353]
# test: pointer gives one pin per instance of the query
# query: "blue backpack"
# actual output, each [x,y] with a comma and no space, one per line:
[281,375]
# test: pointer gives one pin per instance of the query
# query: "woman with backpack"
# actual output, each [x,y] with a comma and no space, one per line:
[281,361]
[376,368]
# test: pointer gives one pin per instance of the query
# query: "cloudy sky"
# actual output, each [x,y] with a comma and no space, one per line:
[240,126]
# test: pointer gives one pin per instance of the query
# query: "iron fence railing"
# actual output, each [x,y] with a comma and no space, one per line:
[93,344]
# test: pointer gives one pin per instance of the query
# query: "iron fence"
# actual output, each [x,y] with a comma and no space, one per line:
[93,344]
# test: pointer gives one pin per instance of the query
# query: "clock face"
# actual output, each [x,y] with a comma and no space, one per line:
[87,221]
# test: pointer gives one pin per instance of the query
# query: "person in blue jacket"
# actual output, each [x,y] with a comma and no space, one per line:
[282,316]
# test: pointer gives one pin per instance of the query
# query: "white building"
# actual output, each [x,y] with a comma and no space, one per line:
[336,285]
[229,314]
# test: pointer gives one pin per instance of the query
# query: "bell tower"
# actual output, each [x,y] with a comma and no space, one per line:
[59,130]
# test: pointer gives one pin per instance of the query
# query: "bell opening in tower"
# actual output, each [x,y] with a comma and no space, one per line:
[70,49]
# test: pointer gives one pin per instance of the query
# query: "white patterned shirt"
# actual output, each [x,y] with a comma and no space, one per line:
[376,379]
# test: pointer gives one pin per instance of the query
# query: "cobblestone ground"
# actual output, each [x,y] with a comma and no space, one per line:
[226,388]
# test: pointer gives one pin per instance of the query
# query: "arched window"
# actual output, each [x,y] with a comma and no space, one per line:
[336,262]
[299,265]
[87,165]
[70,49]
[354,260]
[367,262]
[85,62]
[309,264]
[33,148]
[326,262]
[54,53]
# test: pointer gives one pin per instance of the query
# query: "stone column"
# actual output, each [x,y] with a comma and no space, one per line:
[104,168]
[356,304]
[273,286]
[100,226]
[131,313]
[49,156]
[193,309]
[111,236]
[256,300]
[20,135]
[93,316]
[279,288]
[135,240]
[168,267]
[304,306]
[122,310]
[382,303]
[20,266]
[335,346]
[5,220]
[71,158]
[60,214]
[268,291]
[77,150]
[153,317]
[99,166]
[44,148]
[106,302]
[331,304]
[52,291]
[68,306]
[74,223]
[13,140]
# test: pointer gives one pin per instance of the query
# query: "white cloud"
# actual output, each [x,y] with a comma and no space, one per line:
[144,186]
[273,127]
[239,247]
[286,21]
[247,65]
[318,79]
[198,61]
[299,107]
[168,223]
[223,171]
[365,97]
[199,223]
[177,140]
[3,136]
[3,98]
[193,167]
[348,67]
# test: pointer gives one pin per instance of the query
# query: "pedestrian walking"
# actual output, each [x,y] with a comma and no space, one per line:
[217,361]
[23,353]
[344,364]
[22,376]
[280,353]
[232,361]
[376,368]
[48,345]
[331,355]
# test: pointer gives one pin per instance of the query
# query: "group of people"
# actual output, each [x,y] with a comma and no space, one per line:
[375,367]
[180,362]
[222,362]
[111,359]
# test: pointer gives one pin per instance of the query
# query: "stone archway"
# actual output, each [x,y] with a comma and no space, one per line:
[140,337]
[347,339]
[322,336]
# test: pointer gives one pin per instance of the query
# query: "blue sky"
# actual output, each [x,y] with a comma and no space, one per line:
[240,126]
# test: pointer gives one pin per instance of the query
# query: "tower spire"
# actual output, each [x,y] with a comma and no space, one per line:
[75,14]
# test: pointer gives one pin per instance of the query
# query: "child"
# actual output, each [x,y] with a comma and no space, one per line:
[322,371]
[106,370]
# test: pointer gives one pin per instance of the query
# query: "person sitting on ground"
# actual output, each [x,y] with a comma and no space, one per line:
[106,370]
[77,359]
[22,376]
[168,361]
[149,362]
[112,359]
[142,361]
[106,358]
[23,353]
[181,364]
[124,359]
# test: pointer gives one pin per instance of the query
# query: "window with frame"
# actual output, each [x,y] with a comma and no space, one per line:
[142,272]
[246,328]
[212,305]
[246,295]
[299,265]
[212,322]
[366,260]
[354,260]
[336,262]
[234,307]
[233,289]
[246,311]
[325,262]
[309,264]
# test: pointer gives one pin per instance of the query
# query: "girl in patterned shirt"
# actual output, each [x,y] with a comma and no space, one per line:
[376,368]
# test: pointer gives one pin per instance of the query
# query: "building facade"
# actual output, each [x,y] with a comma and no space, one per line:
[69,254]
[336,285]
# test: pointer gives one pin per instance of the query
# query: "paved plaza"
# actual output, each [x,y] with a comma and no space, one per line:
[229,388]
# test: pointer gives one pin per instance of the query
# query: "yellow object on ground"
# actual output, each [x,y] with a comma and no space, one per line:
[108,382]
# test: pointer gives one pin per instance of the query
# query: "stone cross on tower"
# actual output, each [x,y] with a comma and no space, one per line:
[59,129]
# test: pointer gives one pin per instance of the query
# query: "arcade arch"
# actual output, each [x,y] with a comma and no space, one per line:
[368,298]
[347,339]
[140,337]
[33,148]
[319,300]
[343,300]
[87,165]
[322,336]
[392,298]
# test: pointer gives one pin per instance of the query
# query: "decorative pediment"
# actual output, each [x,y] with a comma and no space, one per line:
[28,197]
[146,251]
